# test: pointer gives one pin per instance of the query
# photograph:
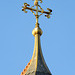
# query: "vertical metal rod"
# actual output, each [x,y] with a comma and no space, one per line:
[37,15]
[36,3]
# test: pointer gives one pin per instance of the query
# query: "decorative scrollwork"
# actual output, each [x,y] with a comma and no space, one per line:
[48,15]
[32,10]
[41,10]
[25,7]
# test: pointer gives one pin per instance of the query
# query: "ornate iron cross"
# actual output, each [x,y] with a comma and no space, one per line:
[26,6]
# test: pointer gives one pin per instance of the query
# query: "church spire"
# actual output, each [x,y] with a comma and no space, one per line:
[37,65]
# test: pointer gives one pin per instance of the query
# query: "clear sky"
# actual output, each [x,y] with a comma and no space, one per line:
[57,41]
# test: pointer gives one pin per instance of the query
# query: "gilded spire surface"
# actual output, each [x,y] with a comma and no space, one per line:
[37,65]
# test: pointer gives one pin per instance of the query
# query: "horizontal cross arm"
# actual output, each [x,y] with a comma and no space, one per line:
[38,10]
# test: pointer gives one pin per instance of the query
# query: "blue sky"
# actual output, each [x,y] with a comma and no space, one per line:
[57,41]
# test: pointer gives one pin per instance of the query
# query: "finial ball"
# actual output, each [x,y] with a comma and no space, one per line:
[37,30]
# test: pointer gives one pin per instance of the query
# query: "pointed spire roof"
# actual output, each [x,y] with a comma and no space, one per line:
[37,65]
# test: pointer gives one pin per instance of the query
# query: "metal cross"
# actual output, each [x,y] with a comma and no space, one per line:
[26,6]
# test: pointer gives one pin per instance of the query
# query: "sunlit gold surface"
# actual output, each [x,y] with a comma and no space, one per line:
[36,3]
[37,65]
[37,30]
